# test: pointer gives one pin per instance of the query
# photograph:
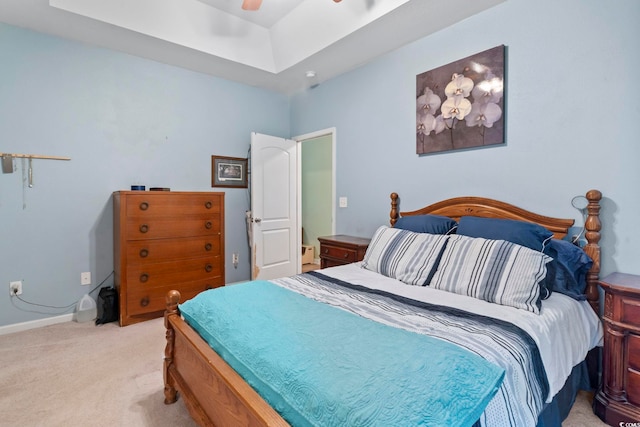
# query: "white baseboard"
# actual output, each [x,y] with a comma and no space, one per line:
[25,326]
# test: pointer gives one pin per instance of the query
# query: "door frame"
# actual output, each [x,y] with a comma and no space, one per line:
[301,139]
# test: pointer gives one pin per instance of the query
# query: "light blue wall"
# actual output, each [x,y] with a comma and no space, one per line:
[572,117]
[122,120]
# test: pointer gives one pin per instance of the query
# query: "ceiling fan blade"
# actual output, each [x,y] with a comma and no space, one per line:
[251,4]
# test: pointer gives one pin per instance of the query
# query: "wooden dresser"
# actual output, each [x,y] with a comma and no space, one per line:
[618,399]
[341,249]
[163,241]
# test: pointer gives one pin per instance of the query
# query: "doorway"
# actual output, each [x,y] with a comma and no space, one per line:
[317,192]
[277,230]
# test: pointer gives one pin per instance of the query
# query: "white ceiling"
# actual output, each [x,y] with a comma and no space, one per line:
[272,48]
[270,12]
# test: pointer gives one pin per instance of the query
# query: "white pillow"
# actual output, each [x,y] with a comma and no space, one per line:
[404,255]
[492,270]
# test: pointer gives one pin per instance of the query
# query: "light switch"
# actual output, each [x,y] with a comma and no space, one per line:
[343,202]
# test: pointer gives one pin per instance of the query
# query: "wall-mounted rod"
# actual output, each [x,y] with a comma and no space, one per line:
[34,156]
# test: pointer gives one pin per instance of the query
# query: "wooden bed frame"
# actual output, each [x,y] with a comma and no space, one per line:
[216,395]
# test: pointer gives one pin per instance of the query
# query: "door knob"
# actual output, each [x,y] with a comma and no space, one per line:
[257,220]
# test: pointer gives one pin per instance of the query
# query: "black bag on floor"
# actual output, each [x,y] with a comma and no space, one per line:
[107,306]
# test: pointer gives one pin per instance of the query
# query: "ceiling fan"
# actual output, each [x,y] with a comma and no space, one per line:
[255,4]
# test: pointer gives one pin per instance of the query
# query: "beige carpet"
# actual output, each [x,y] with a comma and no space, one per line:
[77,374]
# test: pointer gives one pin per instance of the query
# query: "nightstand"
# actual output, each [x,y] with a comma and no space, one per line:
[341,249]
[618,399]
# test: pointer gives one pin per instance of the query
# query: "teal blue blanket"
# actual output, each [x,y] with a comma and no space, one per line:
[318,365]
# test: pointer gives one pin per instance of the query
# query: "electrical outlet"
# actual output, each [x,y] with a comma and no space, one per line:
[15,288]
[85,278]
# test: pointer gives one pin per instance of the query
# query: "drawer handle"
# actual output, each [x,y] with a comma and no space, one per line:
[144,253]
[208,225]
[144,228]
[144,277]
[144,301]
[346,255]
[144,206]
[208,246]
[326,251]
[208,268]
[208,205]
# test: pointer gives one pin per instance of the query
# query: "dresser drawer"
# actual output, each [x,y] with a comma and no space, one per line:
[630,312]
[633,387]
[159,250]
[169,227]
[158,204]
[633,369]
[171,273]
[343,254]
[142,301]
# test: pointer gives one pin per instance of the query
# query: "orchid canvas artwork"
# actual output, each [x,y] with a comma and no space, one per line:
[461,105]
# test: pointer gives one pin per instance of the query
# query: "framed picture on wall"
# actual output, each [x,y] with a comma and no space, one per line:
[461,105]
[229,172]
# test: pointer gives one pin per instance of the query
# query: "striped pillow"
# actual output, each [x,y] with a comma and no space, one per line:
[492,270]
[404,255]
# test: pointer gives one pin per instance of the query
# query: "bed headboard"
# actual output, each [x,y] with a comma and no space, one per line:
[490,208]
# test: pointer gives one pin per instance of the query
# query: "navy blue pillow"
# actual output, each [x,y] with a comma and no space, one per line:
[433,224]
[567,273]
[532,236]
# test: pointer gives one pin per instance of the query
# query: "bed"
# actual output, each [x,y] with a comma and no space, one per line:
[216,394]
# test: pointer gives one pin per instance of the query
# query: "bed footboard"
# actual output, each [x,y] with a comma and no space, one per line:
[212,391]
[170,392]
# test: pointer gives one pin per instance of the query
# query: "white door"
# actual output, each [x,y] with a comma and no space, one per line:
[276,245]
